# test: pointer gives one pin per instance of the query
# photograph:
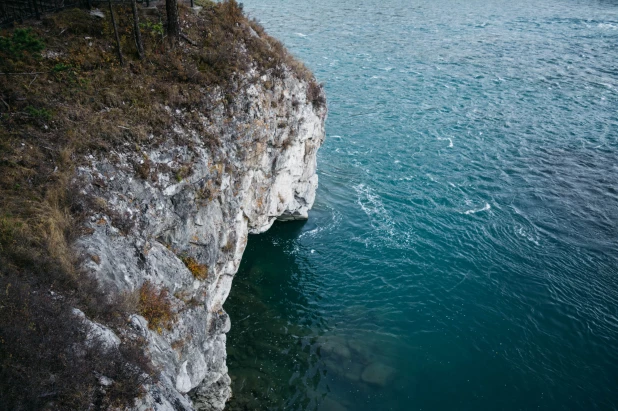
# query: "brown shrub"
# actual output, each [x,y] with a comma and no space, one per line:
[143,168]
[315,94]
[156,307]
[199,271]
[47,360]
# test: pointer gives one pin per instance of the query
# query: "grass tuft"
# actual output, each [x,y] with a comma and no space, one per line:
[23,42]
[199,271]
[156,307]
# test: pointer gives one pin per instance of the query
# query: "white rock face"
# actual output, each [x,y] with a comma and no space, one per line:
[199,194]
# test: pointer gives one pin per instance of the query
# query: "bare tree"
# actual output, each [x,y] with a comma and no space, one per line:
[173,23]
[136,31]
[111,11]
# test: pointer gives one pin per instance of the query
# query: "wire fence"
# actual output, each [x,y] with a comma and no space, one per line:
[19,10]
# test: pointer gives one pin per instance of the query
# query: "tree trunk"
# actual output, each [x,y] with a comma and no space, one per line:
[136,31]
[173,24]
[36,10]
[111,11]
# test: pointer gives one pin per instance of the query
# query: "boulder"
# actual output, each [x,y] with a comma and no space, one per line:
[378,374]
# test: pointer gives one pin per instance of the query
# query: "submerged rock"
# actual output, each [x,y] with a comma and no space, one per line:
[360,348]
[353,371]
[349,369]
[378,374]
[336,346]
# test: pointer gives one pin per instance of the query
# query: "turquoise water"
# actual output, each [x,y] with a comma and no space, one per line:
[463,249]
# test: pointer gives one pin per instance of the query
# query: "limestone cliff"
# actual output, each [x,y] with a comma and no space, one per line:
[263,169]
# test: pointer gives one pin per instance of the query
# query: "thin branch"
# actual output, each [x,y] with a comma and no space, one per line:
[27,74]
[187,39]
[32,81]
[6,104]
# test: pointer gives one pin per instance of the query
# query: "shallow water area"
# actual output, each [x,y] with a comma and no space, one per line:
[463,249]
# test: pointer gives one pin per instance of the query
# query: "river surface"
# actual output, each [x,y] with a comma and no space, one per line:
[462,252]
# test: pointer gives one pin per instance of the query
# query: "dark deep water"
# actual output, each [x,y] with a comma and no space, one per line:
[463,249]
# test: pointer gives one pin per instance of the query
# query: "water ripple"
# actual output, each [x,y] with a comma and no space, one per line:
[465,234]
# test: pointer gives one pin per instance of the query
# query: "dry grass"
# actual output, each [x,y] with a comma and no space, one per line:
[76,101]
[156,307]
[315,94]
[199,271]
[230,245]
[47,360]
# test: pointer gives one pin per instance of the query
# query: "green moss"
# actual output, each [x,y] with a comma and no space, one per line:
[40,113]
[61,67]
[21,43]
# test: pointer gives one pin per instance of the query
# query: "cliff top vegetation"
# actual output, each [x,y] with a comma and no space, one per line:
[65,94]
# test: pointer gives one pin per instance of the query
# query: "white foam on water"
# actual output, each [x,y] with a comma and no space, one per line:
[528,236]
[450,144]
[301,34]
[486,208]
[608,26]
[373,207]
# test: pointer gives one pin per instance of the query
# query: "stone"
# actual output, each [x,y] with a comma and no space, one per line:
[214,396]
[333,367]
[105,381]
[98,333]
[347,369]
[97,13]
[336,346]
[362,350]
[183,381]
[353,371]
[378,374]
